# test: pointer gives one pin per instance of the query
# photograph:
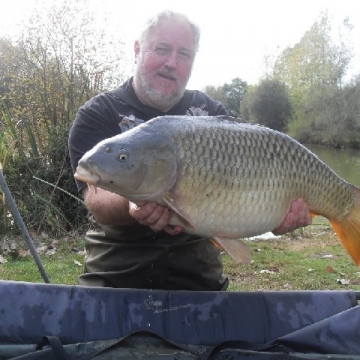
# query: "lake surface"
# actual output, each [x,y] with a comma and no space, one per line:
[345,162]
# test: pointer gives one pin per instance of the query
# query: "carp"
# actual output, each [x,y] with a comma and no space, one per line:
[222,179]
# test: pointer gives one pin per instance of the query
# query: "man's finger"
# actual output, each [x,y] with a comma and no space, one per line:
[173,230]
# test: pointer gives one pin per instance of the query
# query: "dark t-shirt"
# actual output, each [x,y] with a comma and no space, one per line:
[135,256]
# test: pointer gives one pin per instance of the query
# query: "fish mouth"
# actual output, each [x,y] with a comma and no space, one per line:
[86,176]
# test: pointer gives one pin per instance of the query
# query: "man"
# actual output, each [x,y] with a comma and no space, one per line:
[135,247]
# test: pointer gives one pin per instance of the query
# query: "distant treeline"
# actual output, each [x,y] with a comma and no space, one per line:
[303,91]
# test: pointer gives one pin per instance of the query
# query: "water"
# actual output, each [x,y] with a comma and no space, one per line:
[345,162]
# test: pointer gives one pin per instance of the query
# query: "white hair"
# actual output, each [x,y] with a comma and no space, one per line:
[153,21]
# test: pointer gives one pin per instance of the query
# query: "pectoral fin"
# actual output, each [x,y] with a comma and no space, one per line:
[236,249]
[183,218]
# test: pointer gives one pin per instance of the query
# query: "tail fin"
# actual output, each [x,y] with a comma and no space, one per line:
[348,229]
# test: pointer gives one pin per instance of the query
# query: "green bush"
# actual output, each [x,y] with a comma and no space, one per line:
[45,192]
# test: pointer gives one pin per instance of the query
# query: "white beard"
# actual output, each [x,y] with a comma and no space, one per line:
[155,97]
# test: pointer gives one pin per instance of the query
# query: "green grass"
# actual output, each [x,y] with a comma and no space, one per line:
[295,262]
[60,267]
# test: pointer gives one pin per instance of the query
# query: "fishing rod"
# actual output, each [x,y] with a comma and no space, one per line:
[20,222]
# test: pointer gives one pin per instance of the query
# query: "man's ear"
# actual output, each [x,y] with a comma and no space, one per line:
[136,49]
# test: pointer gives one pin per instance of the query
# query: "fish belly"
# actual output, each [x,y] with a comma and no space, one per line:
[231,210]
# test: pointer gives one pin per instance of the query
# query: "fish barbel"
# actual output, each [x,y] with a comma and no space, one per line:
[223,179]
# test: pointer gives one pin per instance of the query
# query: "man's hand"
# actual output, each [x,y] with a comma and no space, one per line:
[155,216]
[298,216]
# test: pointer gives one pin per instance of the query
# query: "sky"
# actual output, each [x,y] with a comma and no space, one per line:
[235,34]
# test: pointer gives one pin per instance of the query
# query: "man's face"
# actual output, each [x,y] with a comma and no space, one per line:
[164,64]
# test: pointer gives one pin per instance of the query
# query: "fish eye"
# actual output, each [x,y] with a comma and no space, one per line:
[122,155]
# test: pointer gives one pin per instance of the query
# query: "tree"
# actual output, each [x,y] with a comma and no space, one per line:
[246,104]
[216,92]
[230,95]
[234,94]
[315,61]
[60,60]
[314,71]
[334,115]
[270,104]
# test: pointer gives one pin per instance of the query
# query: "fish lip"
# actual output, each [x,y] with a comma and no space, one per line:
[86,176]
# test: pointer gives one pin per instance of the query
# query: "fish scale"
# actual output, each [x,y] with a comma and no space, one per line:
[217,171]
[222,179]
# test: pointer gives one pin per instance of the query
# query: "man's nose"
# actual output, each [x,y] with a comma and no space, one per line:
[172,59]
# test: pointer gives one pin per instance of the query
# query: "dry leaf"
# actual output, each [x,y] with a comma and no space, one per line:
[330,269]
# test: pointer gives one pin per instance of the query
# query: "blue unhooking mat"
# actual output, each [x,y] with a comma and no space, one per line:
[42,321]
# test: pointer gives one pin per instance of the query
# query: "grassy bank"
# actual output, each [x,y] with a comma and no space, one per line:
[62,259]
[312,259]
